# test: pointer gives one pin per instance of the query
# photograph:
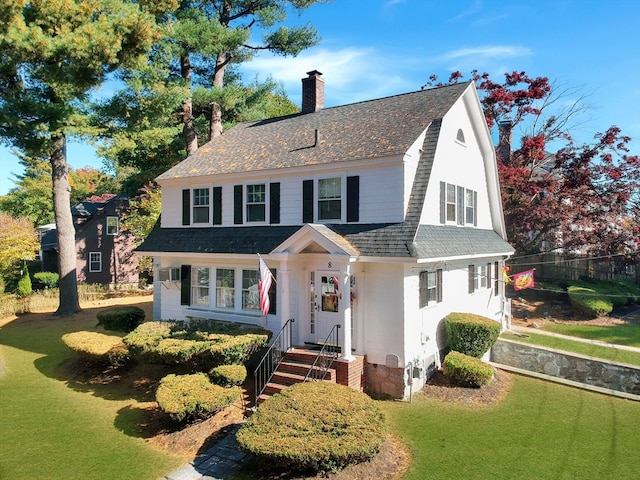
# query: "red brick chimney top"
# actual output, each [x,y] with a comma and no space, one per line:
[312,92]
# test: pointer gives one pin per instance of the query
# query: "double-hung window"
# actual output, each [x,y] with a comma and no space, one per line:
[225,288]
[201,285]
[479,277]
[112,225]
[451,203]
[250,293]
[95,261]
[330,199]
[201,202]
[256,203]
[430,288]
[470,206]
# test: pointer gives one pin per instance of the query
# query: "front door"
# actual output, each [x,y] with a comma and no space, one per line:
[326,303]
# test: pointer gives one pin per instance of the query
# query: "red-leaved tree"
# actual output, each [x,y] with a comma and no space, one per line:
[578,198]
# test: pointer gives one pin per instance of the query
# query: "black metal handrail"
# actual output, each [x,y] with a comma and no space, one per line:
[272,358]
[327,354]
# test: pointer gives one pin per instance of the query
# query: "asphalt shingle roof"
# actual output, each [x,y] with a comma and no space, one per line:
[445,241]
[371,129]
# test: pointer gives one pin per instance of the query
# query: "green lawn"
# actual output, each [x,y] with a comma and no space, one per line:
[542,430]
[623,334]
[584,348]
[52,429]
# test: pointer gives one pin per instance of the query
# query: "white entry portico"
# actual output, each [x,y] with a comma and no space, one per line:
[316,277]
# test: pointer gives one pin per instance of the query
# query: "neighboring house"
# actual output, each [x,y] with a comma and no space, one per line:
[104,250]
[380,216]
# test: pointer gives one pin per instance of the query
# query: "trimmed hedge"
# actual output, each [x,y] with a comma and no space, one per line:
[190,397]
[471,334]
[97,347]
[466,370]
[172,343]
[588,301]
[123,319]
[228,375]
[314,427]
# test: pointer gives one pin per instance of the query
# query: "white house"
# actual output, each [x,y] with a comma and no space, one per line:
[380,216]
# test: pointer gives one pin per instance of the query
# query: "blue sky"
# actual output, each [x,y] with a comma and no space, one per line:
[376,48]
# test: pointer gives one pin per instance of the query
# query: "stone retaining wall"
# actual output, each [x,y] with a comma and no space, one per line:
[570,366]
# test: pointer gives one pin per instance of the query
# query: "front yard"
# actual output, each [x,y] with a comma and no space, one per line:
[61,420]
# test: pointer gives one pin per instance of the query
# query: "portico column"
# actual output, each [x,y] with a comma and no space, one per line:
[346,314]
[284,290]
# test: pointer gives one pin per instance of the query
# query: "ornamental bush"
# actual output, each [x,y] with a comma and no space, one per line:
[191,397]
[314,427]
[97,347]
[123,319]
[589,301]
[24,287]
[47,279]
[228,375]
[171,343]
[471,334]
[466,370]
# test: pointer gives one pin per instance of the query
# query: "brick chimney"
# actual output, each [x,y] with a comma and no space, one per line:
[503,150]
[312,92]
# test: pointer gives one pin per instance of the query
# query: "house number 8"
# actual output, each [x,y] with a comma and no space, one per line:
[329,265]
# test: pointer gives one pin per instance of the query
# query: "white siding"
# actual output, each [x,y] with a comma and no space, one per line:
[382,195]
[457,164]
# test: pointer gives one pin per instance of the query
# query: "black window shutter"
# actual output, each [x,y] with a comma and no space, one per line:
[443,202]
[237,204]
[496,276]
[471,275]
[274,202]
[186,206]
[460,200]
[217,205]
[307,201]
[423,289]
[475,209]
[185,285]
[439,285]
[353,199]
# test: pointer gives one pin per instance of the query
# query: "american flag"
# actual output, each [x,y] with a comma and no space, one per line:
[264,284]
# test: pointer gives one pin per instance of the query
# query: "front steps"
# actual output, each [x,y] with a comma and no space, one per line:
[293,369]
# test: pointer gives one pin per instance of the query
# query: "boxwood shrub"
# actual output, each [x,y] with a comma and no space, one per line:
[191,397]
[466,370]
[97,347]
[228,375]
[123,319]
[171,343]
[47,279]
[471,334]
[314,427]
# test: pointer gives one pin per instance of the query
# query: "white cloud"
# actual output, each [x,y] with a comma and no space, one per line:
[351,74]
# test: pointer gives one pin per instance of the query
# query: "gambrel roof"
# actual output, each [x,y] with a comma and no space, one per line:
[371,129]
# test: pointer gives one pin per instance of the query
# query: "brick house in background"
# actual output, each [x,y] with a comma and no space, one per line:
[104,251]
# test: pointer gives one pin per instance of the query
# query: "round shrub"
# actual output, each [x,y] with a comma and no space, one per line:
[123,319]
[471,334]
[228,375]
[466,370]
[314,426]
[97,347]
[187,397]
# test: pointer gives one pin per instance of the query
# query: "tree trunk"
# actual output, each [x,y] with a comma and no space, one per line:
[215,124]
[68,284]
[188,130]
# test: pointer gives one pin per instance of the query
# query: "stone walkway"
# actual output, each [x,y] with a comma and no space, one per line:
[220,462]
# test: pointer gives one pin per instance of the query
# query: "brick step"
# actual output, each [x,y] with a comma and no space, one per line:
[303,368]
